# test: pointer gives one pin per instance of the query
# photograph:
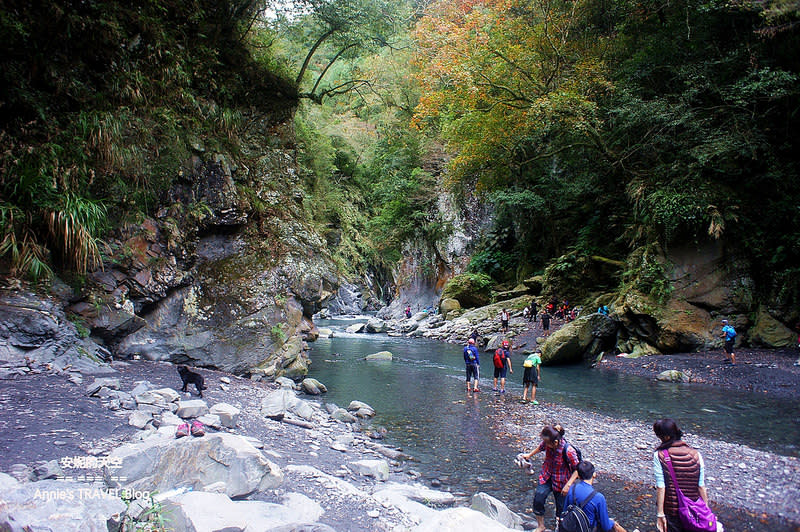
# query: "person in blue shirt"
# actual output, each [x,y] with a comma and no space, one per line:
[596,509]
[729,333]
[473,364]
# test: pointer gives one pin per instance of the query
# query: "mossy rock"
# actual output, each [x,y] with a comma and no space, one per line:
[469,289]
[769,332]
[447,306]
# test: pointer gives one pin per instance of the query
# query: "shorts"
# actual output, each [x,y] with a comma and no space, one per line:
[500,373]
[729,346]
[531,376]
[472,372]
[545,325]
[504,324]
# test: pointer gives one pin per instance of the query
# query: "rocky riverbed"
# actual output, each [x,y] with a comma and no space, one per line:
[319,471]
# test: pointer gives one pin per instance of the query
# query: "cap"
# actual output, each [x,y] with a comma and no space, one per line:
[505,343]
[725,322]
[471,340]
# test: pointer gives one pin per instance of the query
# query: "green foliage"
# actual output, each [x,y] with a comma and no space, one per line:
[278,334]
[646,273]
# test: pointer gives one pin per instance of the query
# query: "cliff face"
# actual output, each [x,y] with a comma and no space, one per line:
[227,275]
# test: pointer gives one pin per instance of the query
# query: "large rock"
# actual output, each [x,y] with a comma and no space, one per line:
[191,409]
[581,339]
[159,465]
[59,505]
[769,332]
[313,386]
[198,511]
[375,325]
[378,469]
[469,289]
[459,520]
[355,328]
[381,355]
[497,510]
[280,402]
[672,375]
[448,305]
[419,493]
[228,414]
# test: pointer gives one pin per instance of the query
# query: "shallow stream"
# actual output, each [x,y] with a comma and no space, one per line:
[420,399]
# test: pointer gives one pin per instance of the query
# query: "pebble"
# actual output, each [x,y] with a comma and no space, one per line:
[374,514]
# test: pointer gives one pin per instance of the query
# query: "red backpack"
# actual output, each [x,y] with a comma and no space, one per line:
[499,358]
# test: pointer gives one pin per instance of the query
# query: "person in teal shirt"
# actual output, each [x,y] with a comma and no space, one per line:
[729,333]
[531,377]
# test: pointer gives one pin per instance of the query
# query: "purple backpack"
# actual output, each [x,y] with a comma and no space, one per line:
[695,516]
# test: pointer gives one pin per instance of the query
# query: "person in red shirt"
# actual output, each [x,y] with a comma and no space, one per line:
[557,475]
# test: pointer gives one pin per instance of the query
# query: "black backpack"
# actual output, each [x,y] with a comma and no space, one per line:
[566,460]
[574,519]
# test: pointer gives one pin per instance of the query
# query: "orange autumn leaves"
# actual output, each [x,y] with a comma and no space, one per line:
[508,80]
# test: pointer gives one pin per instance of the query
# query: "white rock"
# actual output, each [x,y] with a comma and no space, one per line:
[378,469]
[198,511]
[159,464]
[225,380]
[313,386]
[285,382]
[139,419]
[497,510]
[459,520]
[309,509]
[380,355]
[228,414]
[210,420]
[419,493]
[192,408]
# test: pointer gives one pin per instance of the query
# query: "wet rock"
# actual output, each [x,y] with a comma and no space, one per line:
[361,409]
[672,375]
[313,386]
[355,328]
[283,382]
[159,465]
[581,339]
[375,325]
[381,355]
[497,510]
[343,415]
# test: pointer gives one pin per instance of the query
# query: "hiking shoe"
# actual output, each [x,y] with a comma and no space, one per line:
[183,430]
[494,389]
[535,402]
[197,428]
[502,391]
[476,390]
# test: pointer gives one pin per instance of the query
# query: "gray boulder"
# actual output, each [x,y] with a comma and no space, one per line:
[459,520]
[192,408]
[110,383]
[197,510]
[497,510]
[59,505]
[343,415]
[160,465]
[313,386]
[280,402]
[228,414]
[375,325]
[582,339]
[672,375]
[355,328]
[361,409]
[381,355]
[284,382]
[378,469]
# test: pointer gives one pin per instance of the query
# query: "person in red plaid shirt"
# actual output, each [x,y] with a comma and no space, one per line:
[556,475]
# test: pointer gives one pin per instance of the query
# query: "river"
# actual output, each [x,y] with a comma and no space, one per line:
[419,398]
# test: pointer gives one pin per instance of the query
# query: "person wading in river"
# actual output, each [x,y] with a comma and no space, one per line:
[532,375]
[473,364]
[502,365]
[559,471]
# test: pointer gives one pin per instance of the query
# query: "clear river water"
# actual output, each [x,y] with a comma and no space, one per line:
[419,398]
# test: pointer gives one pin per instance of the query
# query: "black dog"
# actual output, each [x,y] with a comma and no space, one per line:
[190,377]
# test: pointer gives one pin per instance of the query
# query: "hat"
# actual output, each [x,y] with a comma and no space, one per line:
[471,340]
[724,322]
[505,343]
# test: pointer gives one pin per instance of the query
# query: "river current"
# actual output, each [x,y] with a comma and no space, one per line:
[419,398]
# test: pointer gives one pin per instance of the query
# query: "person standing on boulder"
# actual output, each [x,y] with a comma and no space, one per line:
[531,377]
[473,364]
[504,317]
[729,333]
